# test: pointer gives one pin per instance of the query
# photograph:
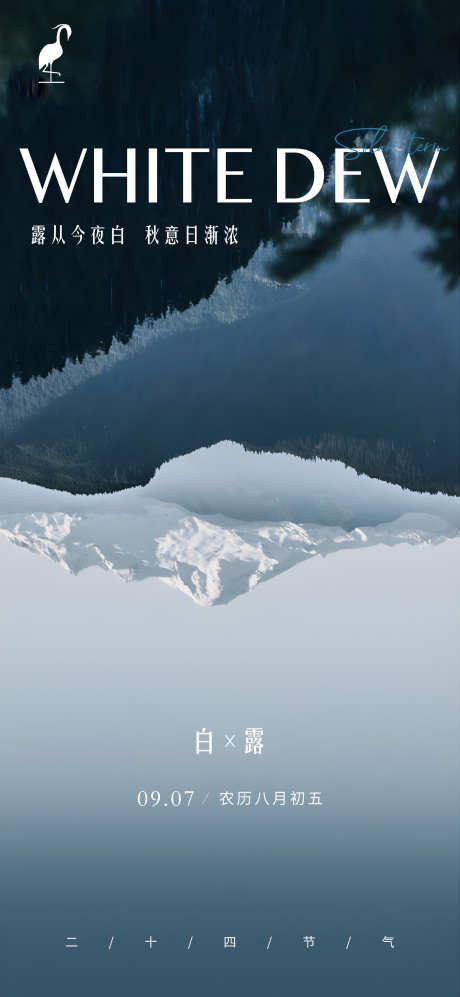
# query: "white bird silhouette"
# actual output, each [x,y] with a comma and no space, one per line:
[50,53]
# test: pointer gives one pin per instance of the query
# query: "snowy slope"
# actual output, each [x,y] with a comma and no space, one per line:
[216,523]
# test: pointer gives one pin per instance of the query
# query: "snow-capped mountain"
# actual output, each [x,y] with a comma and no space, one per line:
[217,522]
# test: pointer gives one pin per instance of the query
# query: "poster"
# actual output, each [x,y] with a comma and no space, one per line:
[229,498]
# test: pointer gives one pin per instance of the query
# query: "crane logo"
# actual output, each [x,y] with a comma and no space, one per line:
[51,52]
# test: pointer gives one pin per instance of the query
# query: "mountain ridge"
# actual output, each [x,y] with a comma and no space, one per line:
[210,555]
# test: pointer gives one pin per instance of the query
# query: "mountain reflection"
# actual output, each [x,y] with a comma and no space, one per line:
[217,523]
[355,375]
[117,359]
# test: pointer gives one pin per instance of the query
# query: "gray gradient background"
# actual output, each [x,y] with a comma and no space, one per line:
[350,665]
